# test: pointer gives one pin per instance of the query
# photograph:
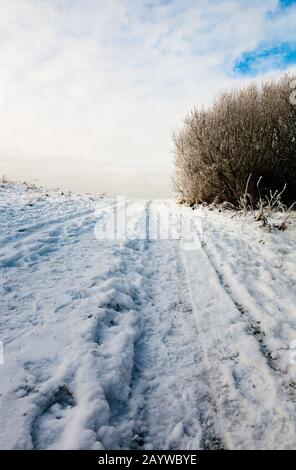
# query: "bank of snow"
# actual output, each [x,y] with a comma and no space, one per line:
[141,344]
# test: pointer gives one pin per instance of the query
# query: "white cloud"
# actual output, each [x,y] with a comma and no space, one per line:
[92,88]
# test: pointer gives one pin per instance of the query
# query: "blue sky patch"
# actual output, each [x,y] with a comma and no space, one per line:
[287,3]
[264,59]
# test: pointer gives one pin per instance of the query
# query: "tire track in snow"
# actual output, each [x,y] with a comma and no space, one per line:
[28,242]
[250,410]
[170,403]
[22,233]
[247,312]
[254,326]
[164,398]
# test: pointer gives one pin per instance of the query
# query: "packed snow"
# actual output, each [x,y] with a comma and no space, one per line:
[140,343]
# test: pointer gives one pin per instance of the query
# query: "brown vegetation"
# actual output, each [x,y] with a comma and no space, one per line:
[245,136]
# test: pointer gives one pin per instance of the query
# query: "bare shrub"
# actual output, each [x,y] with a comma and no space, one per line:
[245,132]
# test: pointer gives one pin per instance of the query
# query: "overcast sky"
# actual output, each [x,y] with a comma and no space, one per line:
[91,89]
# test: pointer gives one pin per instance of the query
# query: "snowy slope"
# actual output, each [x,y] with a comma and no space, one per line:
[141,344]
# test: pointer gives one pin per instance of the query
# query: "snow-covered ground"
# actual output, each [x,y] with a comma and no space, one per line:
[142,344]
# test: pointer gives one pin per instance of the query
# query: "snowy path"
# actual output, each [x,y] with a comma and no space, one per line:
[164,392]
[141,344]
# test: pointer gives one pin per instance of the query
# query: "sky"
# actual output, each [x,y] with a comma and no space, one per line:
[90,90]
